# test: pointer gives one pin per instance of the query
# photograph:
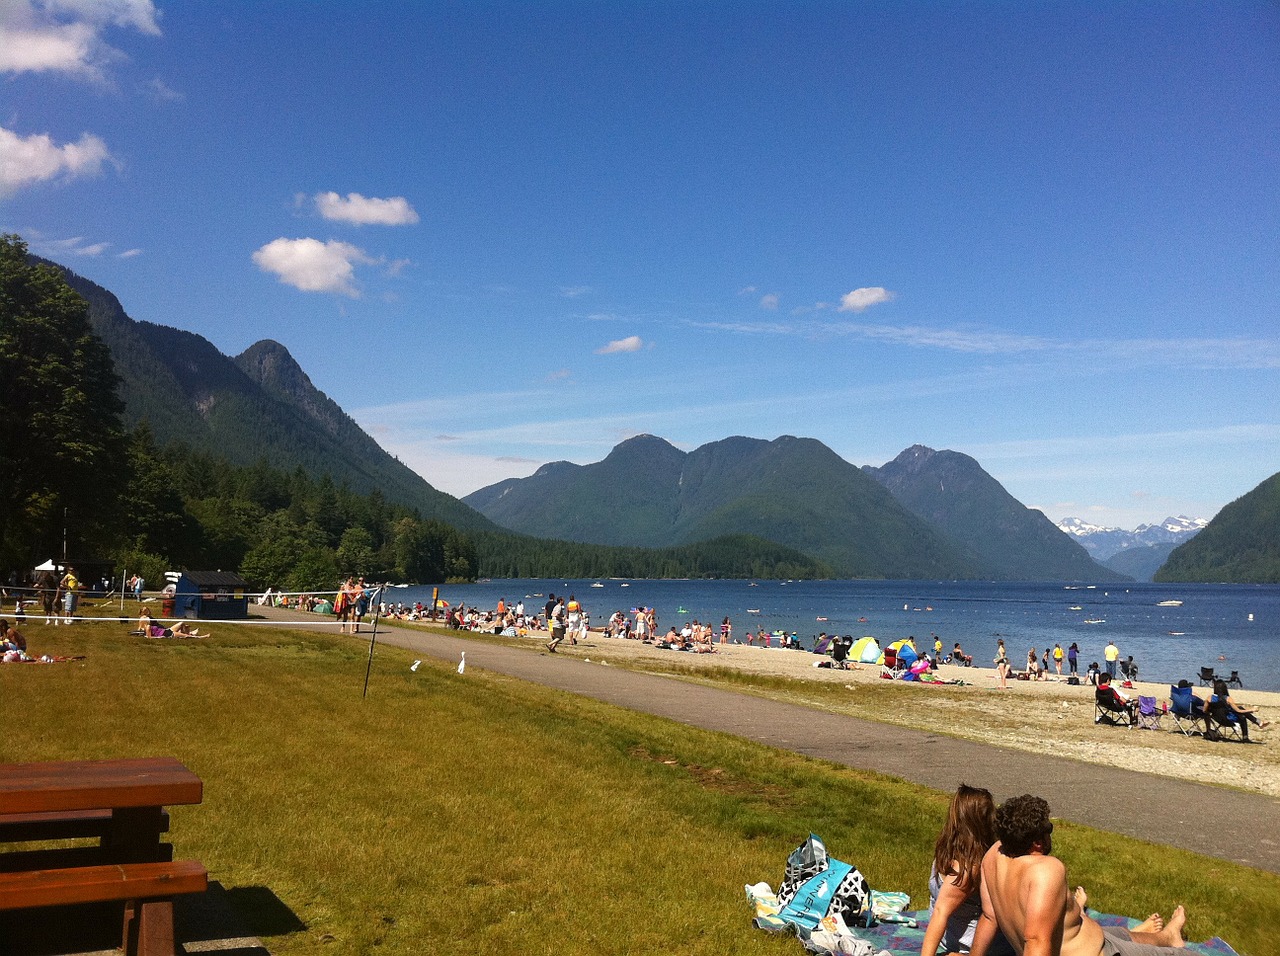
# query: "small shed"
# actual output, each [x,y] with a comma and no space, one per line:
[208,595]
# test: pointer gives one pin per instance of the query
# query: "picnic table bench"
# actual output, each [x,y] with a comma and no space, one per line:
[121,804]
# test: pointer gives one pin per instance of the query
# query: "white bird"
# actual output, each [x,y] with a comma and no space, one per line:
[462,664]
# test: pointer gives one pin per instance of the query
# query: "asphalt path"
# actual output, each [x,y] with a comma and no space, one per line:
[1214,821]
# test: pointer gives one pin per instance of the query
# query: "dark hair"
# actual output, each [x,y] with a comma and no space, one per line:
[1220,688]
[966,836]
[1022,822]
[1104,678]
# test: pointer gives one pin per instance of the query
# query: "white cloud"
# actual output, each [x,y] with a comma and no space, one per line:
[632,343]
[361,211]
[574,291]
[65,36]
[128,253]
[162,92]
[25,160]
[312,265]
[769,301]
[861,299]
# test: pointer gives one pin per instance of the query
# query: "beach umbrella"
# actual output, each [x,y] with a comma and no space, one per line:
[897,649]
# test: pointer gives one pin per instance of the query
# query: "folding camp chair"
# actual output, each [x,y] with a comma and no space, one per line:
[1185,709]
[823,646]
[1223,723]
[840,652]
[1149,714]
[890,661]
[1235,679]
[1109,709]
[1207,677]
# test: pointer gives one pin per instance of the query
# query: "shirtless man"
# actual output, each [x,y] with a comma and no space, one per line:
[1024,893]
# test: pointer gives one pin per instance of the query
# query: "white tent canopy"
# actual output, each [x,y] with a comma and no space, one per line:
[47,566]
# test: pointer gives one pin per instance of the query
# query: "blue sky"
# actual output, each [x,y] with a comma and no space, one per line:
[499,234]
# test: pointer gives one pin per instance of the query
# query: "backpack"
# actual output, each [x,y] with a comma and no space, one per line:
[814,886]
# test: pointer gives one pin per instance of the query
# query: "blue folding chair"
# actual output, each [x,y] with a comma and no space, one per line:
[1186,709]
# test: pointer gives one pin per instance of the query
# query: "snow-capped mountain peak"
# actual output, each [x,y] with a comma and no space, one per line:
[1102,542]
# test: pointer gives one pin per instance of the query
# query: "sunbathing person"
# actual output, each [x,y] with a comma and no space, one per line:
[954,900]
[183,629]
[1025,896]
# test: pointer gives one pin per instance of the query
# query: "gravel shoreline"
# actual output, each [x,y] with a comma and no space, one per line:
[1048,716]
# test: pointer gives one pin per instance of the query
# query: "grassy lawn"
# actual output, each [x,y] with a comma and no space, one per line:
[450,813]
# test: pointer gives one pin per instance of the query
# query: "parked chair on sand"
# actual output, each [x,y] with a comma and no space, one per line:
[1235,679]
[1222,723]
[1207,677]
[1110,708]
[1186,709]
[1149,713]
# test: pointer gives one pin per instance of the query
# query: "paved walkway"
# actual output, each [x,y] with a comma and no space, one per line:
[1213,821]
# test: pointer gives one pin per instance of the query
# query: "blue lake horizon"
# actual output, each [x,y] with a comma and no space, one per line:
[1224,626]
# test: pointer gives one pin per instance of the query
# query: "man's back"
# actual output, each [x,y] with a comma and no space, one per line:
[1030,902]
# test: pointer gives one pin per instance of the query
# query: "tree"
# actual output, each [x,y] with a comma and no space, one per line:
[59,414]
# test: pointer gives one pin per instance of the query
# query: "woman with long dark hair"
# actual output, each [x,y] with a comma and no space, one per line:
[954,878]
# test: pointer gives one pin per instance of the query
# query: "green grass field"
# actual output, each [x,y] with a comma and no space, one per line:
[451,813]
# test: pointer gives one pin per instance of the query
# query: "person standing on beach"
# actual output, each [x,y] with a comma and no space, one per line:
[1057,658]
[1111,654]
[1000,651]
[547,609]
[1073,659]
[557,625]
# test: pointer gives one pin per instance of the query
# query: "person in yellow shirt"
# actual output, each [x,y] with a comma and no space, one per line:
[69,585]
[1112,654]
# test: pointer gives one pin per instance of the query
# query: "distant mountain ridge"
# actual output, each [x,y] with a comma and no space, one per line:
[872,522]
[951,491]
[259,405]
[1103,542]
[793,491]
[1240,545]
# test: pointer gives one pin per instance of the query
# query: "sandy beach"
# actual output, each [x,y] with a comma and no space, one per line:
[1048,716]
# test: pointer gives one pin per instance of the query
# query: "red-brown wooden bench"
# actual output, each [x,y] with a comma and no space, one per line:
[147,890]
[120,802]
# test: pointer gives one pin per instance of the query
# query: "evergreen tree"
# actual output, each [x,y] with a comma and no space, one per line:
[64,451]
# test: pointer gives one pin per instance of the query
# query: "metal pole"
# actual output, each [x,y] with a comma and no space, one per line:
[373,638]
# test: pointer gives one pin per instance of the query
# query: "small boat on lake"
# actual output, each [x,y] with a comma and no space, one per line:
[1168,604]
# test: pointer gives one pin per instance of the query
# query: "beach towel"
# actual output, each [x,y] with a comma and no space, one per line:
[903,939]
[832,936]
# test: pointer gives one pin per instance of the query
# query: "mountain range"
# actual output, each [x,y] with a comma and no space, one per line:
[1138,553]
[1240,545]
[875,522]
[259,405]
[926,514]
[953,493]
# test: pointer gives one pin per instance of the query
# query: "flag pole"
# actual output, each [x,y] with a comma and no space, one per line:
[373,639]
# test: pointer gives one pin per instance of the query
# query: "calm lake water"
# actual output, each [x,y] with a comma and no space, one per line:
[1229,627]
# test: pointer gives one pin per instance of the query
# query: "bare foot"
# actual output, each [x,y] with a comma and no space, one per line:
[1152,924]
[1082,898]
[1177,919]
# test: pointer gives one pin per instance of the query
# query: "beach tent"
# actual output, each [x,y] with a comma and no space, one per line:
[898,647]
[865,651]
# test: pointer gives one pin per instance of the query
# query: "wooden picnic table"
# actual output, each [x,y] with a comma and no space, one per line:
[120,802]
